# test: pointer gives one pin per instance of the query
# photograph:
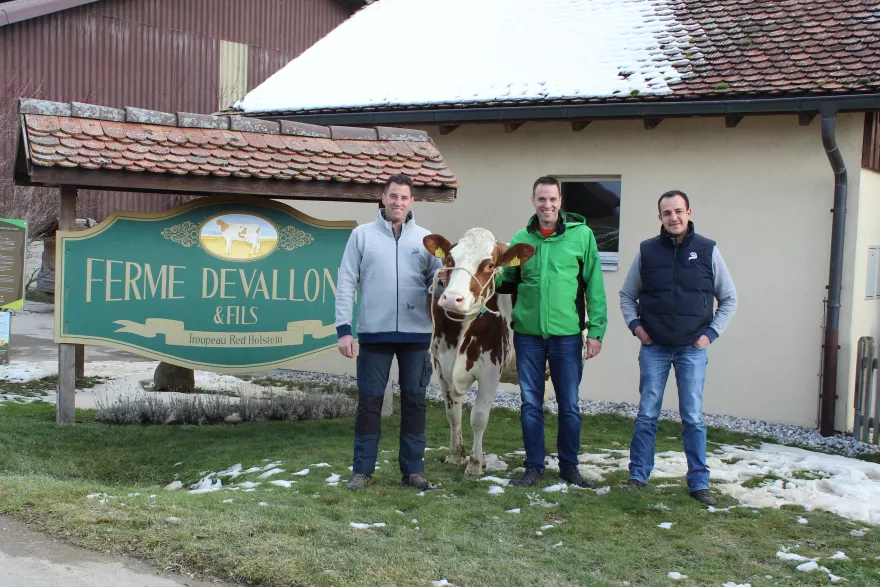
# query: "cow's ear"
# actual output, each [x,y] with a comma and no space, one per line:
[517,255]
[437,245]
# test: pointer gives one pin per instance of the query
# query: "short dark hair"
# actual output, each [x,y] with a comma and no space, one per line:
[546,180]
[399,179]
[672,194]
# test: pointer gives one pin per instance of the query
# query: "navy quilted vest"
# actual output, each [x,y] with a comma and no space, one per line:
[677,300]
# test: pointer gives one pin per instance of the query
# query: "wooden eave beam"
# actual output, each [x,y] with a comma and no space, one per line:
[445,129]
[651,122]
[805,118]
[732,120]
[509,127]
[163,183]
[579,125]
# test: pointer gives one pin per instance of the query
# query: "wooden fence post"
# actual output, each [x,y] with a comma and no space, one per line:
[65,410]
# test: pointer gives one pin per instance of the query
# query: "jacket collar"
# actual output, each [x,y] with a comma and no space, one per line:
[669,240]
[385,225]
[535,226]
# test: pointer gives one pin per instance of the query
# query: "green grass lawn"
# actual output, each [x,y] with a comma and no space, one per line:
[302,535]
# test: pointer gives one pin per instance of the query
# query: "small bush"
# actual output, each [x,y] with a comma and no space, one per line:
[213,409]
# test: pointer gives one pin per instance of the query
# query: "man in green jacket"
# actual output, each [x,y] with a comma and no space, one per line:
[548,320]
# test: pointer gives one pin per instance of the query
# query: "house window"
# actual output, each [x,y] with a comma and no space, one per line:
[233,73]
[872,276]
[597,199]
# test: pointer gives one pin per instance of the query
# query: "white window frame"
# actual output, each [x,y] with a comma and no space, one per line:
[872,274]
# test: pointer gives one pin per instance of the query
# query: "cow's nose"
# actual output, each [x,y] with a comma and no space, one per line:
[451,299]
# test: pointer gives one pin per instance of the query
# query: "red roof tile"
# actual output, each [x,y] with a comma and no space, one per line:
[131,146]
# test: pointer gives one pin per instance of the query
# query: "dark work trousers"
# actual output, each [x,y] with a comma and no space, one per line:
[373,366]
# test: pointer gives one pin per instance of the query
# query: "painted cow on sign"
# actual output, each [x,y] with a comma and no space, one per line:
[472,338]
[248,233]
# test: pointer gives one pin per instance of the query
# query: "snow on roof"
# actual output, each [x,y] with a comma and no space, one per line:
[419,52]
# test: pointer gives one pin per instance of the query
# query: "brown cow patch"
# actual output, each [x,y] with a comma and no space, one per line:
[487,333]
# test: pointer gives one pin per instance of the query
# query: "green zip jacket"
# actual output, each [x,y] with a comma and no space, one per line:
[552,286]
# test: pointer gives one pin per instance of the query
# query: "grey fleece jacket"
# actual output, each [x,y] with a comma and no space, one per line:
[393,274]
[725,293]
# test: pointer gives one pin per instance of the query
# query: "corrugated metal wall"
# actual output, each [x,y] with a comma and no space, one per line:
[157,54]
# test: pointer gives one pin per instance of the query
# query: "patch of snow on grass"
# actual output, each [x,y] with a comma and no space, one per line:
[665,525]
[206,485]
[271,472]
[303,472]
[364,526]
[496,490]
[676,576]
[282,483]
[496,480]
[174,485]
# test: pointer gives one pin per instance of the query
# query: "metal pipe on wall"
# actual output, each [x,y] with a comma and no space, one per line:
[831,347]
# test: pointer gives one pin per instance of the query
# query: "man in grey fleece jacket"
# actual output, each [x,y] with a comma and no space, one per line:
[389,262]
[668,302]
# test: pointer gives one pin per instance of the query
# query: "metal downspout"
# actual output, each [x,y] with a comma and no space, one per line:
[831,347]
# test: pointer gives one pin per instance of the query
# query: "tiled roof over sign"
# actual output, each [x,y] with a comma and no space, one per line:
[96,137]
[499,53]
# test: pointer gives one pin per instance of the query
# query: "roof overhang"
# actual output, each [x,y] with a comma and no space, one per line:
[19,10]
[588,112]
[95,147]
[12,12]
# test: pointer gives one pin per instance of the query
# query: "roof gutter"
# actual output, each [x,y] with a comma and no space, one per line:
[831,346]
[853,103]
[13,12]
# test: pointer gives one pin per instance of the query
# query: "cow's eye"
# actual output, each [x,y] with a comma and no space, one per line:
[491,266]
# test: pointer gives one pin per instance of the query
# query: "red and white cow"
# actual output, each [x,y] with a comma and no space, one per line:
[472,338]
[247,233]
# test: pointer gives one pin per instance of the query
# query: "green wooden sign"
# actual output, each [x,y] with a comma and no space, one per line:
[223,285]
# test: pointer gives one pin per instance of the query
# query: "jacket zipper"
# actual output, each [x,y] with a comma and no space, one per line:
[545,286]
[397,273]
[674,278]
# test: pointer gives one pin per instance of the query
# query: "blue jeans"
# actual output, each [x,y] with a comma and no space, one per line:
[373,366]
[690,375]
[566,367]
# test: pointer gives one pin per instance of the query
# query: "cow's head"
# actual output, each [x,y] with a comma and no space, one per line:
[223,226]
[477,254]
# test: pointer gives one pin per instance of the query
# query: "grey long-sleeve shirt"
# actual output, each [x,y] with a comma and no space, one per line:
[725,293]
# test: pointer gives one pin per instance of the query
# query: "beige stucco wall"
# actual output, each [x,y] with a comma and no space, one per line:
[865,317]
[763,190]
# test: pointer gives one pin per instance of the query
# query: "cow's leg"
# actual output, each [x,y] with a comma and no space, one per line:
[456,454]
[480,418]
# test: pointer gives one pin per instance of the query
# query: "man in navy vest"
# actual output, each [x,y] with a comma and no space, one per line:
[668,302]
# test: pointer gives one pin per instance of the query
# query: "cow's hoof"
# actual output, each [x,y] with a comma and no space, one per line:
[474,469]
[454,460]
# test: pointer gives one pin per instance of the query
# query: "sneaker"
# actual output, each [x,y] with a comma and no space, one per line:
[635,485]
[416,480]
[528,478]
[574,477]
[359,481]
[703,496]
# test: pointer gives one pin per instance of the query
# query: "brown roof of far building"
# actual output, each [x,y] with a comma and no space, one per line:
[142,141]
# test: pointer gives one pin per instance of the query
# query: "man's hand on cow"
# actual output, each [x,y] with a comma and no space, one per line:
[593,347]
[443,277]
[702,342]
[643,335]
[346,346]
